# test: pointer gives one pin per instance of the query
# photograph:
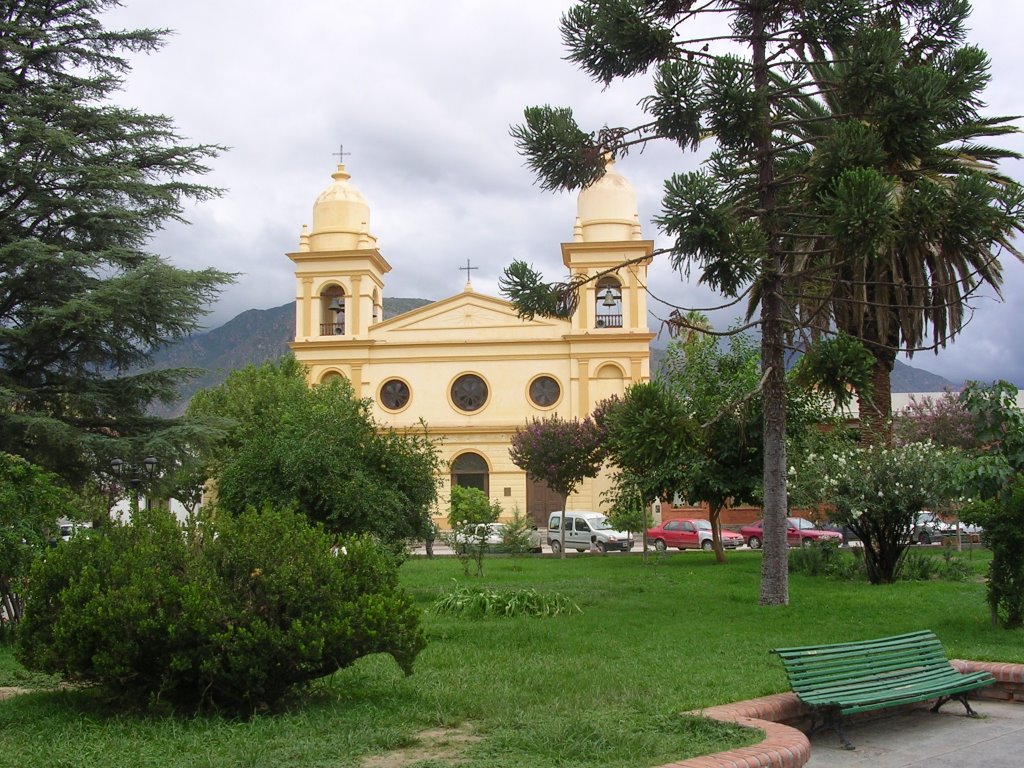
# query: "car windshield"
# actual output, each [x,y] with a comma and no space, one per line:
[703,525]
[601,525]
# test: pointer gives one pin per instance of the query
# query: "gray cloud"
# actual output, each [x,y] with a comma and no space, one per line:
[422,95]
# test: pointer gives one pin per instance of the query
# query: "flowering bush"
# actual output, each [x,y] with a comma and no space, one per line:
[877,491]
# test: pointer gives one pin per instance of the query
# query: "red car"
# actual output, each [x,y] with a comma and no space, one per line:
[800,532]
[690,533]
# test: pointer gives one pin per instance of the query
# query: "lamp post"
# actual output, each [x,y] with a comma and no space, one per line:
[135,478]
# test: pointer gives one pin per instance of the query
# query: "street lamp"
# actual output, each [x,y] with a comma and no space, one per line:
[149,465]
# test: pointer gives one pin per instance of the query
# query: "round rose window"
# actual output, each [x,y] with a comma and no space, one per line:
[394,395]
[544,391]
[469,392]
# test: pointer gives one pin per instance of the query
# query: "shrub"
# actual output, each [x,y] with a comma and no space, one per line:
[917,566]
[479,602]
[230,614]
[1003,520]
[827,559]
[920,566]
[877,491]
[470,512]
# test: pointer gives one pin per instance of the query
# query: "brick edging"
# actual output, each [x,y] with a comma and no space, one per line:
[786,746]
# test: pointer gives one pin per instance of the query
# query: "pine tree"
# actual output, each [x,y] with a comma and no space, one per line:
[84,184]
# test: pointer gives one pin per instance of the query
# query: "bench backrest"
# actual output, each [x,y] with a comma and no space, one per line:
[813,666]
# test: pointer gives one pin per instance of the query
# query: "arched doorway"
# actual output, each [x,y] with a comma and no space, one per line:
[470,471]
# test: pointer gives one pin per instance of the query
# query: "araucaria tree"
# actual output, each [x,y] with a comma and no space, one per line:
[726,221]
[770,207]
[83,186]
[560,453]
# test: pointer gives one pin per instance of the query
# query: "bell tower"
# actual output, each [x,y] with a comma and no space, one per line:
[608,248]
[339,270]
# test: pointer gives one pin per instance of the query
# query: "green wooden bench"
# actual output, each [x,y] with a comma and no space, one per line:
[846,678]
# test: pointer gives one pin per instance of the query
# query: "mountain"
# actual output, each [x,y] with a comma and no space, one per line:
[905,378]
[258,335]
[253,337]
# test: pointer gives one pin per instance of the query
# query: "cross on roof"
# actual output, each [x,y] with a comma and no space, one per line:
[340,154]
[467,269]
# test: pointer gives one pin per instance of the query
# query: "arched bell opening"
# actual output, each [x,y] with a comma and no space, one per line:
[608,298]
[332,311]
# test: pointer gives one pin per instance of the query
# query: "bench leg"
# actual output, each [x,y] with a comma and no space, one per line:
[838,725]
[962,698]
[831,720]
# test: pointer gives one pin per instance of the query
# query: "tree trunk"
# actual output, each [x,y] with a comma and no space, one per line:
[714,517]
[876,411]
[561,528]
[774,562]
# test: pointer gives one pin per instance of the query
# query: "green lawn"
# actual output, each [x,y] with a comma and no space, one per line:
[602,688]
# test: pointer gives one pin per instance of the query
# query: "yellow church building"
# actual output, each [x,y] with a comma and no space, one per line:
[468,365]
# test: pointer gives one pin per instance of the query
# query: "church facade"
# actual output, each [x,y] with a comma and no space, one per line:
[468,366]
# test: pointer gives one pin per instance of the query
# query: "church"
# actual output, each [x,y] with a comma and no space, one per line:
[468,366]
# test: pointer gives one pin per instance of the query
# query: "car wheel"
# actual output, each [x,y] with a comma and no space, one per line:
[707,545]
[580,550]
[659,545]
[601,547]
[806,542]
[556,546]
[754,542]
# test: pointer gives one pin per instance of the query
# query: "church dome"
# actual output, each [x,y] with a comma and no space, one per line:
[341,217]
[606,210]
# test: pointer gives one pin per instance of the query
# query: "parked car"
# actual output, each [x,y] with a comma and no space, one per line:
[580,526]
[68,528]
[494,537]
[929,528]
[689,533]
[800,532]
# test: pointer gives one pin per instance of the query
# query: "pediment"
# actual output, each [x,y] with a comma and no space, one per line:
[467,311]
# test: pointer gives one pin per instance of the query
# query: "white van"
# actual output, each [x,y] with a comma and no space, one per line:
[580,526]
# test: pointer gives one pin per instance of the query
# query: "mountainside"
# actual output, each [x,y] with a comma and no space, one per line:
[258,335]
[253,337]
[905,378]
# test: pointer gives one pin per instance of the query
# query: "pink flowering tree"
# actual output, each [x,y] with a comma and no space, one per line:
[559,453]
[945,420]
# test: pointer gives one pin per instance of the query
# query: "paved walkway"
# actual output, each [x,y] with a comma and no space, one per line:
[918,738]
[897,738]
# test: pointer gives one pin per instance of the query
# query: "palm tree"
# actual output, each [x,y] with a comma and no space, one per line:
[915,228]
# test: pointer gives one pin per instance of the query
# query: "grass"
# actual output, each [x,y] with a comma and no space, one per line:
[600,688]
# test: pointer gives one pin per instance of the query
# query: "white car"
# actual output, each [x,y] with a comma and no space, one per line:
[929,528]
[494,537]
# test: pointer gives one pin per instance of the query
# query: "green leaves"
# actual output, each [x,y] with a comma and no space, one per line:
[526,289]
[709,229]
[618,38]
[562,156]
[676,104]
[860,214]
[319,449]
[231,614]
[85,184]
[840,366]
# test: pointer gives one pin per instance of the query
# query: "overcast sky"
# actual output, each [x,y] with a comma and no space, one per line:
[422,95]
